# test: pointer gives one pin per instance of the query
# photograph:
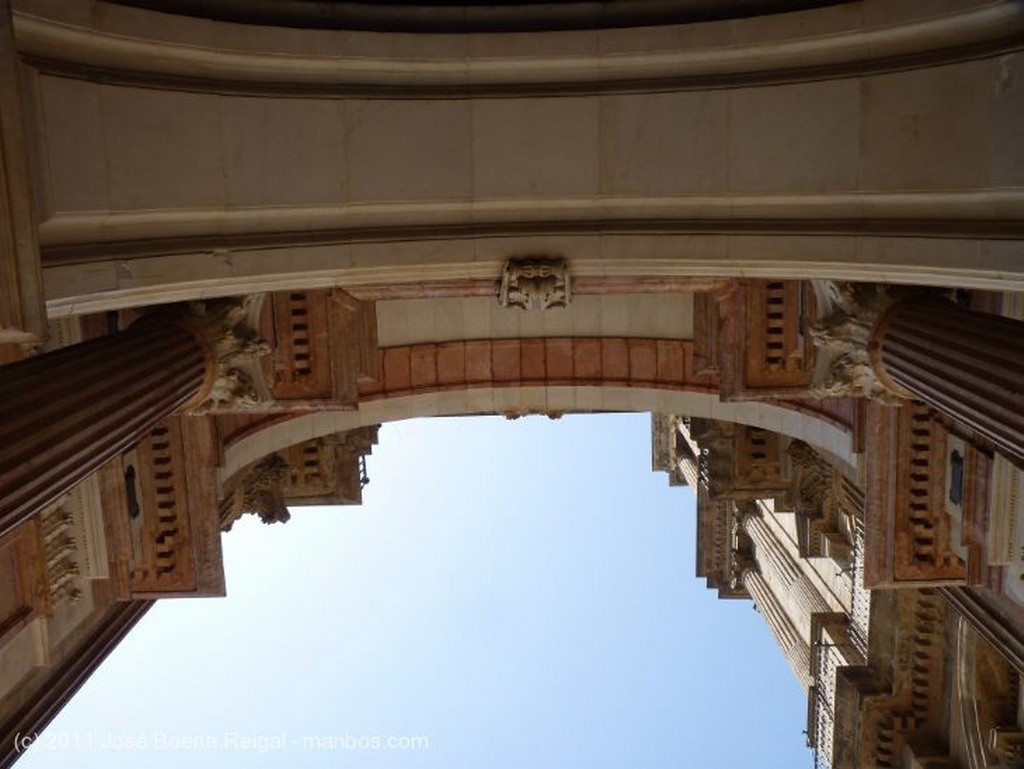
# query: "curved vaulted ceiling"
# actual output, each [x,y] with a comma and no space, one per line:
[457,16]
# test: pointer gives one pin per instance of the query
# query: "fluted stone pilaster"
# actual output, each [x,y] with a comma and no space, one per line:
[795,648]
[783,571]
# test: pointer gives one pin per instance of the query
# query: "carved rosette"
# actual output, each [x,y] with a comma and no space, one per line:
[535,284]
[224,326]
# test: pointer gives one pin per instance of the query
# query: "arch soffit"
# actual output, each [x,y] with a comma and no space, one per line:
[536,400]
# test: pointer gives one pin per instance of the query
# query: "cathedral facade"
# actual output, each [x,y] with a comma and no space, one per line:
[237,237]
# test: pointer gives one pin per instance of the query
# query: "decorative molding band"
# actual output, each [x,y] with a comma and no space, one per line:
[77,237]
[553,361]
[581,286]
[106,57]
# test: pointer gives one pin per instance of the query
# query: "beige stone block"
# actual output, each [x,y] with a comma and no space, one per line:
[614,314]
[251,38]
[169,27]
[929,128]
[444,47]
[586,316]
[560,398]
[523,323]
[535,147]
[774,148]
[669,38]
[449,320]
[893,12]
[479,400]
[437,256]
[426,405]
[558,321]
[324,423]
[283,151]
[510,399]
[590,399]
[533,398]
[619,399]
[76,171]
[301,429]
[674,318]
[408,150]
[78,14]
[495,251]
[665,144]
[66,283]
[569,43]
[477,324]
[396,409]
[768,28]
[1007,151]
[163,148]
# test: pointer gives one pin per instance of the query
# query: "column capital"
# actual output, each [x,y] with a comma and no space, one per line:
[845,334]
[226,330]
[746,511]
[741,566]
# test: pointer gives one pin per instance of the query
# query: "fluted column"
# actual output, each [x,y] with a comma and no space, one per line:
[795,648]
[784,572]
[65,413]
[968,365]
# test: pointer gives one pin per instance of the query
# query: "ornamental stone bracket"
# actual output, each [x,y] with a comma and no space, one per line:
[514,414]
[260,493]
[535,284]
[60,555]
[848,314]
[227,329]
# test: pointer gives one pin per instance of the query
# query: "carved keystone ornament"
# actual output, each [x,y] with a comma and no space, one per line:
[535,284]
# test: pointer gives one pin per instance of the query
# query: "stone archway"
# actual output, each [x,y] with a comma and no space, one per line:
[684,182]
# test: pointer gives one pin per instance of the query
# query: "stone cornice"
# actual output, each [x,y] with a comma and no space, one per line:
[98,54]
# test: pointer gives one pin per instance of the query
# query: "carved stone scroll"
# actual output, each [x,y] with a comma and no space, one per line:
[535,284]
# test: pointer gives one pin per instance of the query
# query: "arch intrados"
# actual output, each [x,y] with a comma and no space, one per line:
[495,401]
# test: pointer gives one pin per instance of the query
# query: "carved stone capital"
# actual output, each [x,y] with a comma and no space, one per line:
[740,565]
[746,510]
[848,315]
[815,487]
[225,328]
[535,284]
[260,492]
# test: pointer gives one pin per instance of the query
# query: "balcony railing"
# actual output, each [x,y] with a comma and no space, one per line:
[860,597]
[827,660]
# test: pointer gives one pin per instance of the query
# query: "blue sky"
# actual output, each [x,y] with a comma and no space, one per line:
[521,594]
